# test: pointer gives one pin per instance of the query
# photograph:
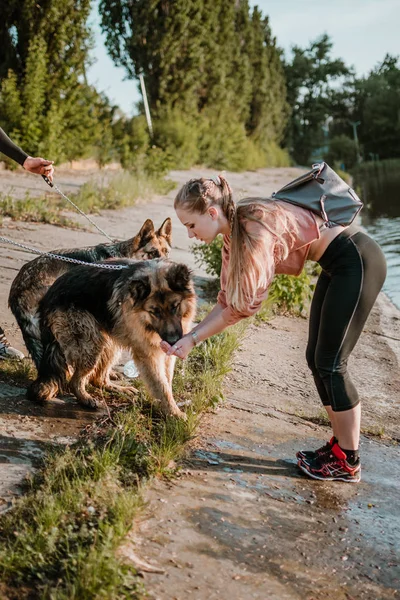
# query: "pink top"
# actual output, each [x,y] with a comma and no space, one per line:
[308,231]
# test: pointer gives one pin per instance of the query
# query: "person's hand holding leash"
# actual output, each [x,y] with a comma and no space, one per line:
[40,166]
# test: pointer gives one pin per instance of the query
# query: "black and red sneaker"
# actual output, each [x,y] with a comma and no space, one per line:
[332,466]
[307,455]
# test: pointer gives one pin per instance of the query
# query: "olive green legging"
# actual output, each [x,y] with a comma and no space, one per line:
[353,272]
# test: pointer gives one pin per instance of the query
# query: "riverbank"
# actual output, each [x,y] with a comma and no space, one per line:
[240,521]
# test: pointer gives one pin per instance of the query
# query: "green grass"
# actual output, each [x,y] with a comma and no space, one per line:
[373,431]
[122,190]
[35,210]
[319,419]
[60,540]
[17,372]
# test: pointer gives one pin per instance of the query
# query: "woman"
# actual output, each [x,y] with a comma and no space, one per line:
[39,166]
[263,237]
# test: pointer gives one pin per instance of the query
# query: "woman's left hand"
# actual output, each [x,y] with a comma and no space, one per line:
[181,348]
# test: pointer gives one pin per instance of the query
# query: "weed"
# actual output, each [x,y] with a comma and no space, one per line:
[319,419]
[122,190]
[209,256]
[20,372]
[34,210]
[374,431]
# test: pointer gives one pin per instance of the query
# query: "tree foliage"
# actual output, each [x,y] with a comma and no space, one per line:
[377,107]
[44,96]
[219,90]
[322,90]
[213,66]
[311,76]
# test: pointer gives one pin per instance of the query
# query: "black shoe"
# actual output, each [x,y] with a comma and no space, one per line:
[332,466]
[307,455]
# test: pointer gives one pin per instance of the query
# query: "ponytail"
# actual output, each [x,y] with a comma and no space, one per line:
[254,251]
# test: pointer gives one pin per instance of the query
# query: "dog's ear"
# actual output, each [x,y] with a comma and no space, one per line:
[179,278]
[140,289]
[166,229]
[147,229]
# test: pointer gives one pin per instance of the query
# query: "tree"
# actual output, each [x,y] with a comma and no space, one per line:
[377,107]
[212,70]
[268,107]
[44,96]
[311,77]
[343,152]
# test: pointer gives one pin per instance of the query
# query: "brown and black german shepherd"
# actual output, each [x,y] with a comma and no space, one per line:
[89,313]
[36,276]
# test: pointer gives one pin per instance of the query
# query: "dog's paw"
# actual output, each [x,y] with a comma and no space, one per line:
[174,411]
[116,376]
[123,389]
[89,402]
[128,388]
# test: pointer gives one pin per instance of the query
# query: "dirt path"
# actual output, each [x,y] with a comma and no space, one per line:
[241,522]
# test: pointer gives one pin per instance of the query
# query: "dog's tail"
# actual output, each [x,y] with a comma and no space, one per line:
[52,373]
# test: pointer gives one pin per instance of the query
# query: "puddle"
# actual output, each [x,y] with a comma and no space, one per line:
[19,451]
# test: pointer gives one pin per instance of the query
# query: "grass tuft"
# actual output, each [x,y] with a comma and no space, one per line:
[35,210]
[17,372]
[122,190]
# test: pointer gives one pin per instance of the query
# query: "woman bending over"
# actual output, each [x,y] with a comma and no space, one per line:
[263,237]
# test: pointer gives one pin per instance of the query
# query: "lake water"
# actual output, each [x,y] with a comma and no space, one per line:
[380,192]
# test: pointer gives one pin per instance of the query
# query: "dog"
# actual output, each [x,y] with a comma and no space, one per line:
[89,313]
[36,276]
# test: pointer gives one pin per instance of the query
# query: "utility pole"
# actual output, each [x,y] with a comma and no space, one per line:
[355,124]
[146,105]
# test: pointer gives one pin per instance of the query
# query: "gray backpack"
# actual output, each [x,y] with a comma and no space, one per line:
[322,191]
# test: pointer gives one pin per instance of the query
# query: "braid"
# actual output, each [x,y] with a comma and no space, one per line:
[228,206]
[197,195]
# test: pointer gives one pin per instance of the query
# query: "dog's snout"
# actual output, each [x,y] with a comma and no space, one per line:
[171,339]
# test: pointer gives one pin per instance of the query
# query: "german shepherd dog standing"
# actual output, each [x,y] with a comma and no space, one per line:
[36,276]
[90,312]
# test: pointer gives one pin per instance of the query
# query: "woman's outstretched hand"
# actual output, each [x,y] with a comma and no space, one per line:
[181,348]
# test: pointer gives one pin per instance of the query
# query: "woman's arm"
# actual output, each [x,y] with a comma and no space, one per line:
[38,165]
[10,149]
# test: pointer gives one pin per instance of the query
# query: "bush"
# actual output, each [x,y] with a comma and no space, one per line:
[223,143]
[291,294]
[209,256]
[342,150]
[178,137]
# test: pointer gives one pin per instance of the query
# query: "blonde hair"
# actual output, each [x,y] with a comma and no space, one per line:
[254,251]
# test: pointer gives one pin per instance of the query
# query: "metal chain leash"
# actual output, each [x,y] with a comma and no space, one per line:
[53,185]
[61,257]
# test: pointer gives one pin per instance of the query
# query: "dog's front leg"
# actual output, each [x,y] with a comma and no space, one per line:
[153,370]
[170,368]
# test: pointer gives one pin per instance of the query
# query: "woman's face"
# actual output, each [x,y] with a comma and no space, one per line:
[202,227]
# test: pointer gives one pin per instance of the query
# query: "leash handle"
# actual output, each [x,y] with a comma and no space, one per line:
[47,180]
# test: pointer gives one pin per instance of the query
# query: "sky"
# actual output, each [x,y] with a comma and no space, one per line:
[362,32]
